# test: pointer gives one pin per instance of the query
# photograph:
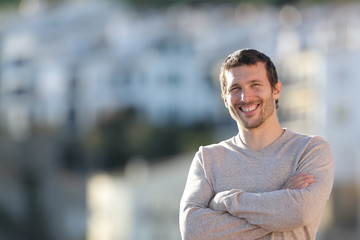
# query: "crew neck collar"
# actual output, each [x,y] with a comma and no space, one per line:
[280,139]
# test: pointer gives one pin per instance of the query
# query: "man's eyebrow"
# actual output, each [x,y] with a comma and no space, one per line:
[255,80]
[233,85]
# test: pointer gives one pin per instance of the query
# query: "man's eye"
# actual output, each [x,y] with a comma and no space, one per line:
[234,89]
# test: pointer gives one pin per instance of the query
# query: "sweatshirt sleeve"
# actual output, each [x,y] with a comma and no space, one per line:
[284,210]
[197,221]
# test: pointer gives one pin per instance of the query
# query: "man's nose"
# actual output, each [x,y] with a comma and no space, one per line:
[245,95]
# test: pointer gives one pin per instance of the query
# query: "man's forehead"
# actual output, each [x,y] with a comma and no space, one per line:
[245,71]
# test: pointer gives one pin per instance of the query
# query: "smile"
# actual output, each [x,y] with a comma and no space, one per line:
[248,109]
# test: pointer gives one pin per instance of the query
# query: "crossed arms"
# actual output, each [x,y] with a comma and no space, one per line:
[235,214]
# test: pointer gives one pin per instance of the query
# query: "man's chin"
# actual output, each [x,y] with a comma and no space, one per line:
[250,125]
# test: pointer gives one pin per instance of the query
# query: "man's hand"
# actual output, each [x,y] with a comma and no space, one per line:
[218,203]
[299,181]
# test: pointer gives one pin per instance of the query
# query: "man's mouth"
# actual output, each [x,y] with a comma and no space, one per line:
[248,109]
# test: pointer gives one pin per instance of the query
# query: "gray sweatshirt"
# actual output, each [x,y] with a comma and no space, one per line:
[249,203]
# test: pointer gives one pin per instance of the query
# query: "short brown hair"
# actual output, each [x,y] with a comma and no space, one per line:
[248,57]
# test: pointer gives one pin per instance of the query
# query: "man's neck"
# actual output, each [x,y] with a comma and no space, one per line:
[261,137]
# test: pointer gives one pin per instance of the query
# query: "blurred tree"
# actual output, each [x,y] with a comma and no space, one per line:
[9,227]
[125,135]
[16,3]
[35,223]
[34,226]
[143,4]
[11,3]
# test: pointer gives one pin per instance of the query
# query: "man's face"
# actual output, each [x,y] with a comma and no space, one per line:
[249,96]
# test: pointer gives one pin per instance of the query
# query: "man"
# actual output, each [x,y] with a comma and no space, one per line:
[264,183]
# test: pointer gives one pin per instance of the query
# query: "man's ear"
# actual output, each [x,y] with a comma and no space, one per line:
[277,90]
[225,102]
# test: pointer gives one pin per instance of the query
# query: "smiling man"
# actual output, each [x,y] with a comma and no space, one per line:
[266,182]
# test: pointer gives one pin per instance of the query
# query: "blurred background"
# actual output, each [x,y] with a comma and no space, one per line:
[103,105]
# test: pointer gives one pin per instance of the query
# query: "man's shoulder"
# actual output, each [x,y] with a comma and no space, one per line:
[228,143]
[305,139]
[223,147]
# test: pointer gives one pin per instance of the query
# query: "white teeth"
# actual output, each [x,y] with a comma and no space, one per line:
[249,109]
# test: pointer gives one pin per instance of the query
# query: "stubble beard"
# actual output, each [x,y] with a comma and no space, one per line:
[267,109]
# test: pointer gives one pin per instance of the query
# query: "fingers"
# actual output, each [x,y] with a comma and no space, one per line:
[299,181]
[302,180]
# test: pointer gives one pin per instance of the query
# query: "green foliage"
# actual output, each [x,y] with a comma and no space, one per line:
[9,3]
[125,135]
[145,4]
[9,227]
[33,226]
[16,3]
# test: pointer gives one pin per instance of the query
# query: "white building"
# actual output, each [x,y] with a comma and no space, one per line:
[142,205]
[67,58]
